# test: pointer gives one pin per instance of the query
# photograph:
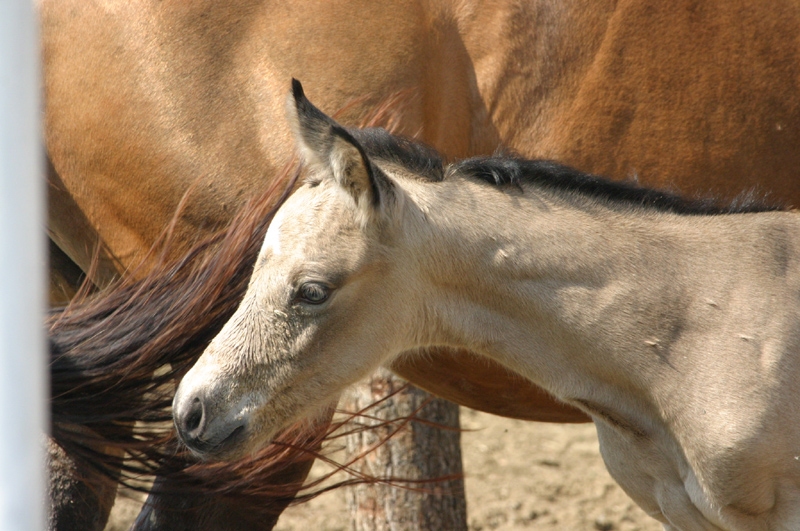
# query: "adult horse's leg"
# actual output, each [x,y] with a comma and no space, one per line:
[79,496]
[206,512]
[189,513]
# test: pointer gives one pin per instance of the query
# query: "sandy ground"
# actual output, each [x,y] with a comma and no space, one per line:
[519,475]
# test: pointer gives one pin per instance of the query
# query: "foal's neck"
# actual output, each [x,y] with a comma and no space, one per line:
[561,290]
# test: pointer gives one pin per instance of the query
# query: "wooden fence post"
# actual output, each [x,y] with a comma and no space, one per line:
[419,451]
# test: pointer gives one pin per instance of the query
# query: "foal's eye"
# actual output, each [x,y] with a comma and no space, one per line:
[313,293]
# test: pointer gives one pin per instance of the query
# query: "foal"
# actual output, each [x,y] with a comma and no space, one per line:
[671,323]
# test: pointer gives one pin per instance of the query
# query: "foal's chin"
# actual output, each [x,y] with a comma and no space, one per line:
[241,443]
[236,446]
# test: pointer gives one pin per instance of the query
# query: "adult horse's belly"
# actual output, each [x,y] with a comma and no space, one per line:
[485,385]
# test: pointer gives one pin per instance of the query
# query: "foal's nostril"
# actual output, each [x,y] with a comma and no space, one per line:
[195,416]
[191,422]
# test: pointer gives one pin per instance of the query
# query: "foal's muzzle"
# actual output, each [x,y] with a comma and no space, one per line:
[203,434]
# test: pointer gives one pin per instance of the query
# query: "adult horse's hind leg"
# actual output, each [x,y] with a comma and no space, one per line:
[165,512]
[79,497]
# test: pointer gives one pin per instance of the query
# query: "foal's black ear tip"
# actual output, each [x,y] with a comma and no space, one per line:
[297,90]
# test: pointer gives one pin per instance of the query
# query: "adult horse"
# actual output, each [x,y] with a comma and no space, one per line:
[144,100]
[672,323]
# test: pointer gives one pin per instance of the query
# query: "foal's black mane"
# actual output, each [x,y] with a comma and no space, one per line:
[425,162]
[509,170]
[420,159]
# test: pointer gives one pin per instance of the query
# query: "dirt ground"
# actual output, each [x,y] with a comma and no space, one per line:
[519,475]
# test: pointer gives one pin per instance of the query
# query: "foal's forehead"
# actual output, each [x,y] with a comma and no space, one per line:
[308,213]
[272,240]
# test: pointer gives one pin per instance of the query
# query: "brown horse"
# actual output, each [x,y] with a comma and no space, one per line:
[143,100]
[607,89]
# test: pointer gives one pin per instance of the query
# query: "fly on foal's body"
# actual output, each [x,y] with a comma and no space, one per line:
[672,323]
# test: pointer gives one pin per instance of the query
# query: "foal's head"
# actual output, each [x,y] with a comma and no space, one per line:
[325,305]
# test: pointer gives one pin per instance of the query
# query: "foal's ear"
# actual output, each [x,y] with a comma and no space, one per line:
[329,146]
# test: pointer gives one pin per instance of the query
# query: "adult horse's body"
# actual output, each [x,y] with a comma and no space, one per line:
[672,324]
[145,99]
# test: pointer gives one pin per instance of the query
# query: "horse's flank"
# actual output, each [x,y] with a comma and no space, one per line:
[671,323]
[698,97]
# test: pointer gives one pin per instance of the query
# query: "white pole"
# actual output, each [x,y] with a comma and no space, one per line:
[22,273]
